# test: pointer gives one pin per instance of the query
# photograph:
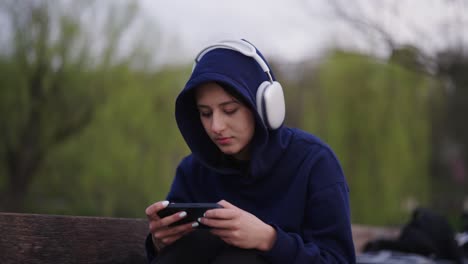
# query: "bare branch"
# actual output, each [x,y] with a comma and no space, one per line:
[362,24]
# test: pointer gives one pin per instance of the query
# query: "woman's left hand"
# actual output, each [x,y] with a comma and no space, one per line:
[239,228]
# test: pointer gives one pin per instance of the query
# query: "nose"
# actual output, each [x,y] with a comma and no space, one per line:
[218,123]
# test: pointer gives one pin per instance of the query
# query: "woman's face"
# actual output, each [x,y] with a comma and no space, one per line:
[229,123]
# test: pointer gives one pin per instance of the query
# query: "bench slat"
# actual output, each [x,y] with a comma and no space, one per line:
[32,238]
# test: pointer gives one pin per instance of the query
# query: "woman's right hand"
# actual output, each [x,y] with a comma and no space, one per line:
[161,233]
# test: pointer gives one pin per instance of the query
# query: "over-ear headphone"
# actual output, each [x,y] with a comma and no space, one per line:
[270,98]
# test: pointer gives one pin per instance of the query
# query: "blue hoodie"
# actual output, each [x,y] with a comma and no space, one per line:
[293,180]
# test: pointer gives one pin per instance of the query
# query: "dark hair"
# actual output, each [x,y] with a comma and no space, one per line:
[234,93]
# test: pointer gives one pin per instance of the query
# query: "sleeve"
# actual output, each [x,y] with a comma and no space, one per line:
[326,235]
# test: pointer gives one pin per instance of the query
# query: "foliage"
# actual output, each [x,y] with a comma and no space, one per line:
[435,51]
[53,82]
[375,116]
[124,160]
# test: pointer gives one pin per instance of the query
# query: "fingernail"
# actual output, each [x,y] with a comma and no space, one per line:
[165,203]
[182,214]
[199,219]
[195,224]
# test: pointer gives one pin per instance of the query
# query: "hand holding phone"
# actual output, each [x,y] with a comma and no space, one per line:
[193,210]
[161,235]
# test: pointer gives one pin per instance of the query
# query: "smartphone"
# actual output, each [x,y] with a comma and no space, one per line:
[194,211]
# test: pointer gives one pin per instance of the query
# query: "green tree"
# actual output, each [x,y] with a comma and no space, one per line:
[437,47]
[125,159]
[375,115]
[52,83]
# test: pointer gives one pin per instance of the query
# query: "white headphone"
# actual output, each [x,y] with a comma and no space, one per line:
[270,98]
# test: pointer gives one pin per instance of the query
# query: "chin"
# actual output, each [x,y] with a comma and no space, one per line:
[229,151]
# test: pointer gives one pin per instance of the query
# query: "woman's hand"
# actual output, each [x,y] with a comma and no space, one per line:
[161,233]
[239,228]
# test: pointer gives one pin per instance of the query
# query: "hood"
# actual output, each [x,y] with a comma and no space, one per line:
[243,74]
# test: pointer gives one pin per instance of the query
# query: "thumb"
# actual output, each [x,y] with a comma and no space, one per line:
[226,204]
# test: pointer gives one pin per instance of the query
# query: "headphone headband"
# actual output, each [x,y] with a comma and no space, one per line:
[241,46]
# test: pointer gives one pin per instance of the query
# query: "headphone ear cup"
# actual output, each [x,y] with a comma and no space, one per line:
[270,104]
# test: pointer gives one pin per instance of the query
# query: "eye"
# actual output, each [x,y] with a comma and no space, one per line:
[230,111]
[205,113]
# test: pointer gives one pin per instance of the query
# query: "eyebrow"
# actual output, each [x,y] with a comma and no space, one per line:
[221,104]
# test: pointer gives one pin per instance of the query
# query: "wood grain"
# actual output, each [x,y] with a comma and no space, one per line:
[32,238]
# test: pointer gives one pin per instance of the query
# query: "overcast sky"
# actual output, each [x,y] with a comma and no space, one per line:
[285,29]
[294,29]
[289,30]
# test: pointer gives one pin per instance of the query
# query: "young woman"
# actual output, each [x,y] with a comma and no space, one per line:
[283,192]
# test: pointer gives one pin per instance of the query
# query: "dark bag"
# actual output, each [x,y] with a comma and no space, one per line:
[427,234]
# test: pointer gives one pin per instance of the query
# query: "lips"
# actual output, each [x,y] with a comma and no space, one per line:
[223,140]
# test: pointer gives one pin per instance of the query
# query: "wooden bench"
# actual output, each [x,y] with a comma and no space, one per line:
[33,238]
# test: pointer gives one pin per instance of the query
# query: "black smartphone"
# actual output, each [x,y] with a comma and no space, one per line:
[193,210]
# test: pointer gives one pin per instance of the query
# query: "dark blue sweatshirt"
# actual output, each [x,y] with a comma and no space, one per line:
[293,181]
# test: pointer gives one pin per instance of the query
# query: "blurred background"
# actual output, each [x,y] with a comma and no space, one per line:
[87,92]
